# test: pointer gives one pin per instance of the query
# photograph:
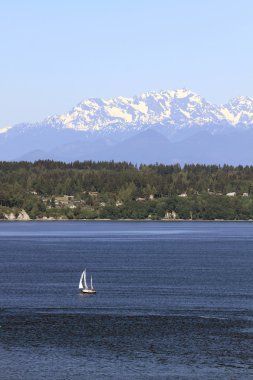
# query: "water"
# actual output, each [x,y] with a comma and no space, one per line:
[174,300]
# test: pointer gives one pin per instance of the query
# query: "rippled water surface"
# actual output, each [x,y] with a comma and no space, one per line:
[174,300]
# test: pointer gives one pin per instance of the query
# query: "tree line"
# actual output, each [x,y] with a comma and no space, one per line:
[141,191]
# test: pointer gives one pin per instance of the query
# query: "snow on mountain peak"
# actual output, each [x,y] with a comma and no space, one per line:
[183,93]
[179,108]
[239,110]
[4,129]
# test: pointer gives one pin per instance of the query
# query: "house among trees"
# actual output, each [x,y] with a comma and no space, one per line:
[232,194]
[93,193]
[170,215]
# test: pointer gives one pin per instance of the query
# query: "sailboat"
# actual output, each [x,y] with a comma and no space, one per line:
[83,284]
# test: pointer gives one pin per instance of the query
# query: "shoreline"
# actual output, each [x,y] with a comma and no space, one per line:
[128,220]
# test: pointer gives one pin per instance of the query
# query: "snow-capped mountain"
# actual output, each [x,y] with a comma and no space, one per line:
[179,108]
[166,126]
[239,111]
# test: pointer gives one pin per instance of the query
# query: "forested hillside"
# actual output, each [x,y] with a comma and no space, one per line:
[122,190]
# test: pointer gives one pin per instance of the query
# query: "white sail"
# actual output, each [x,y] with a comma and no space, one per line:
[81,281]
[91,283]
[84,280]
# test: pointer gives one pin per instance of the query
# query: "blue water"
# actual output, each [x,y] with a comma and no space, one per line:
[174,300]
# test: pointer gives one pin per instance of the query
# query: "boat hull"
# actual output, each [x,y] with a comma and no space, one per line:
[88,291]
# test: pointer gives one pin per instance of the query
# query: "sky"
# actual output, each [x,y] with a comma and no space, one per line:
[56,53]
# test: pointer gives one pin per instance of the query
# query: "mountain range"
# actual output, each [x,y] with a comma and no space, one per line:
[166,126]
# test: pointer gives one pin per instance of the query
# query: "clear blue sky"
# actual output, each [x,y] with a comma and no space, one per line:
[56,53]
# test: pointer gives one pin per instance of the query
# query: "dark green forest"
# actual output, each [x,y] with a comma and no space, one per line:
[110,190]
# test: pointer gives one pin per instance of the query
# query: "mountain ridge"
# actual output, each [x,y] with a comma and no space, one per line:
[166,126]
[179,108]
